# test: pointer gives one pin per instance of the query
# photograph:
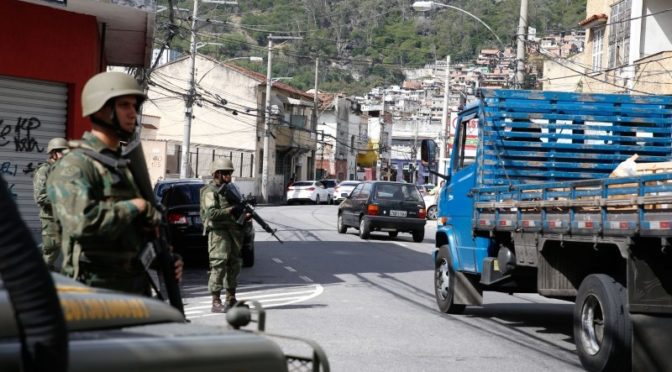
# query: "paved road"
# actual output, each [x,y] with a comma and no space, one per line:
[370,304]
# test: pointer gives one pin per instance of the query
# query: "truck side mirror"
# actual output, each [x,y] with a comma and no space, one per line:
[428,154]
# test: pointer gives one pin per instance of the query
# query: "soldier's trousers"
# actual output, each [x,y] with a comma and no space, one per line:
[225,261]
[51,242]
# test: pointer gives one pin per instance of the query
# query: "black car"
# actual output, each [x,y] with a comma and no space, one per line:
[182,202]
[392,207]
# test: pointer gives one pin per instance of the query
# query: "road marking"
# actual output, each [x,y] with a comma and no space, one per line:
[401,244]
[268,297]
[277,260]
[289,268]
[306,279]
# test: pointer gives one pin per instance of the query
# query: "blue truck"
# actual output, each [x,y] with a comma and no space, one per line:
[538,210]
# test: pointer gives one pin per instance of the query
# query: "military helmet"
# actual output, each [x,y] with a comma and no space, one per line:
[105,86]
[221,164]
[57,144]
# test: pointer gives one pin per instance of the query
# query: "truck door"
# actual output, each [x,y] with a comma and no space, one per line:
[457,202]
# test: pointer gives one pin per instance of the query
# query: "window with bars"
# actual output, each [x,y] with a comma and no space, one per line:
[598,41]
[619,33]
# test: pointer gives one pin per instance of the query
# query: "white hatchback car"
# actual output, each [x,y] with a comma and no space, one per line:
[343,189]
[307,191]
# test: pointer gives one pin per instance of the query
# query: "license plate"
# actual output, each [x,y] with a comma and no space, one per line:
[394,213]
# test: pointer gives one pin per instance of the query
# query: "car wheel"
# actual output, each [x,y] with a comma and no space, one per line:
[602,327]
[418,235]
[393,234]
[431,213]
[444,284]
[364,229]
[341,227]
[317,199]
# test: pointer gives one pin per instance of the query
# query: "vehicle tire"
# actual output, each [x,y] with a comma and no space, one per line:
[317,200]
[248,257]
[418,235]
[444,284]
[431,212]
[602,327]
[364,228]
[340,226]
[393,234]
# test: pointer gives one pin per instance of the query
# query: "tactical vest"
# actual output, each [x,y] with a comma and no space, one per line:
[113,258]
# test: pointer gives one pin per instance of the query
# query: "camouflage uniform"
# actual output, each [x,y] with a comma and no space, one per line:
[51,230]
[101,229]
[225,239]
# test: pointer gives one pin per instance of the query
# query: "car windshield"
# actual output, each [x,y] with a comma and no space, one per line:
[392,191]
[302,183]
[183,194]
[328,183]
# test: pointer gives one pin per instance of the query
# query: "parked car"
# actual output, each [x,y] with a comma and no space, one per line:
[330,185]
[343,189]
[182,202]
[391,207]
[307,191]
[430,204]
[163,185]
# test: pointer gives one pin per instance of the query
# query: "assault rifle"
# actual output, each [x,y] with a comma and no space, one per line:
[159,249]
[230,192]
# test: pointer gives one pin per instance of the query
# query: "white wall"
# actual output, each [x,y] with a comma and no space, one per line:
[656,30]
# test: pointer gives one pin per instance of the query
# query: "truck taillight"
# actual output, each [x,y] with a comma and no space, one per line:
[177,218]
[422,213]
[372,210]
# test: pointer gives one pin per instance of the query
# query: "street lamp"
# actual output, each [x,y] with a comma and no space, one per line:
[425,6]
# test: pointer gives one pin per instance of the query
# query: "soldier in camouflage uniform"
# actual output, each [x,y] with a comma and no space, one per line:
[225,236]
[104,220]
[51,231]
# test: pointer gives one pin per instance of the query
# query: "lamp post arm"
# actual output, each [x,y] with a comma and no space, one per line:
[501,44]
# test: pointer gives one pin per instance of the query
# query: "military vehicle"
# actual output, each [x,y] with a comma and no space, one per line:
[50,322]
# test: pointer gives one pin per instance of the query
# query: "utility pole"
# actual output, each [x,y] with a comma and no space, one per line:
[520,53]
[191,95]
[317,64]
[189,104]
[266,159]
[445,118]
[267,120]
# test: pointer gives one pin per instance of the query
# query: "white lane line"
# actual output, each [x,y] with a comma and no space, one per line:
[277,260]
[401,244]
[306,279]
[289,268]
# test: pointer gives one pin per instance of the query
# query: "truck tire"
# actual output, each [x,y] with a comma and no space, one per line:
[340,225]
[364,228]
[602,327]
[444,284]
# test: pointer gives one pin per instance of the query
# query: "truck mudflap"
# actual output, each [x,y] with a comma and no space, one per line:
[650,304]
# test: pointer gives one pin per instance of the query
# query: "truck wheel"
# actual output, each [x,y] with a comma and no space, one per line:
[431,212]
[340,226]
[602,328]
[364,229]
[418,235]
[444,284]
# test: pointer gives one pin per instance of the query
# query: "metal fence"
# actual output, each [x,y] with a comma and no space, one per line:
[201,159]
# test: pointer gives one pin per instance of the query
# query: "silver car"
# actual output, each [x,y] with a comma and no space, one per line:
[343,189]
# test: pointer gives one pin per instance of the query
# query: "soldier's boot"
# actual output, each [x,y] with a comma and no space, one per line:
[230,299]
[217,306]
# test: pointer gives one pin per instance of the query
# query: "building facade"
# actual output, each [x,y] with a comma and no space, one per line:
[50,50]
